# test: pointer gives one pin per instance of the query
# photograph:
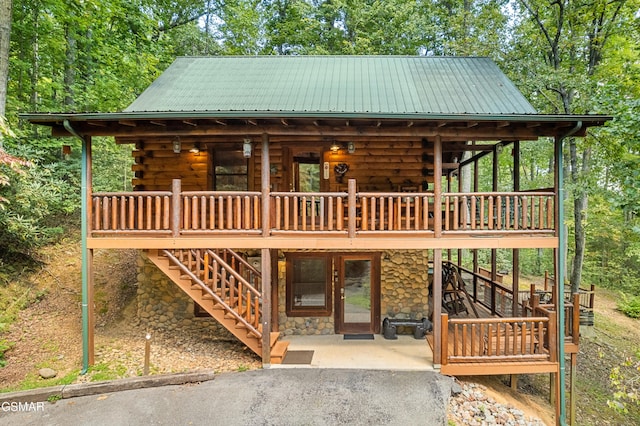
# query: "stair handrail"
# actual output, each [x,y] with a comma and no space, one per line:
[231,271]
[217,298]
[243,261]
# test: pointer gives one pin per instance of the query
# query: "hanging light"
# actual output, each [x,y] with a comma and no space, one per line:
[335,147]
[246,148]
[195,149]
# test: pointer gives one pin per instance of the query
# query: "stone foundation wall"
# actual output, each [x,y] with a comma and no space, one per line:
[163,306]
[404,293]
[404,281]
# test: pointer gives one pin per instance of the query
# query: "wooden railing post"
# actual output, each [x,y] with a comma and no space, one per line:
[552,330]
[575,326]
[351,208]
[176,217]
[444,342]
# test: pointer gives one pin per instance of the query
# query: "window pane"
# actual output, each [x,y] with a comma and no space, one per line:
[230,162]
[231,183]
[309,282]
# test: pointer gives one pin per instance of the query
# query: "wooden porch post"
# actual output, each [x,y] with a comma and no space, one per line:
[494,252]
[476,185]
[437,188]
[516,252]
[265,180]
[437,307]
[266,254]
[88,319]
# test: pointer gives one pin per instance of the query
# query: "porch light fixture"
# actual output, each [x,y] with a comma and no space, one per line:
[195,149]
[351,147]
[335,147]
[246,148]
[177,145]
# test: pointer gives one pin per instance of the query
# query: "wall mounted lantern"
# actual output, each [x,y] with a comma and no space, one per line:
[351,147]
[246,148]
[177,145]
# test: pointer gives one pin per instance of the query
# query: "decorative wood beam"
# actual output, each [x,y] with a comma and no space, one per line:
[442,123]
[190,123]
[501,124]
[220,122]
[471,124]
[97,123]
[379,123]
[158,123]
[410,124]
[284,122]
[129,123]
[253,122]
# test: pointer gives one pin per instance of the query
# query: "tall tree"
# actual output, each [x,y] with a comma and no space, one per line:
[569,40]
[5,34]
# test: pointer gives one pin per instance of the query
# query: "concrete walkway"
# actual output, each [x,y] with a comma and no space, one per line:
[332,351]
[262,397]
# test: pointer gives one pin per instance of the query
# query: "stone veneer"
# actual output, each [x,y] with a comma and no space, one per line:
[162,305]
[403,294]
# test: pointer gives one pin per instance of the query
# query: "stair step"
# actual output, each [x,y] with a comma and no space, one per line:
[279,351]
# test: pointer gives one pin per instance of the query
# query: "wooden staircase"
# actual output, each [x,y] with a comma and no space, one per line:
[225,285]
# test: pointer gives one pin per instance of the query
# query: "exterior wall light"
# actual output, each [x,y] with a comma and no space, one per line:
[195,149]
[246,148]
[177,145]
[351,147]
[335,147]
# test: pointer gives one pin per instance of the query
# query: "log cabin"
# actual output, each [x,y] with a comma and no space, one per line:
[313,195]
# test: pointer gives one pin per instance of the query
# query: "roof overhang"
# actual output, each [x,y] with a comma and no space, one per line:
[451,127]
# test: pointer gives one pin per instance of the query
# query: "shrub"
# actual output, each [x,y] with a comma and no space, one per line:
[630,306]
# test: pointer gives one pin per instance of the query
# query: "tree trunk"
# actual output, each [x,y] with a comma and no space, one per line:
[5,34]
[580,201]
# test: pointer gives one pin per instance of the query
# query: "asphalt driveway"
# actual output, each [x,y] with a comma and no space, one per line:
[262,397]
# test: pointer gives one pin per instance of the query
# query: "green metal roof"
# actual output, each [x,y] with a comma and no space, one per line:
[328,85]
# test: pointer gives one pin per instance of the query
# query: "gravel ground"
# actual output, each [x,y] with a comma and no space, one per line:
[473,407]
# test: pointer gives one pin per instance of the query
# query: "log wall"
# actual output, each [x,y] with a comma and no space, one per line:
[380,164]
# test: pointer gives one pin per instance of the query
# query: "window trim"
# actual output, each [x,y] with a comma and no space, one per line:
[309,311]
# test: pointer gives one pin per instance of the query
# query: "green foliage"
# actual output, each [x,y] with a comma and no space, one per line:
[4,347]
[39,199]
[629,305]
[625,380]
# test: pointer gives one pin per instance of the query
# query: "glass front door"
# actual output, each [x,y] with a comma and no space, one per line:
[357,294]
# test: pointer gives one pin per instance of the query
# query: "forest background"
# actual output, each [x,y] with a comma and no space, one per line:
[566,56]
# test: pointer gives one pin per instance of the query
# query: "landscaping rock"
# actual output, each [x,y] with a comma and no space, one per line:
[47,373]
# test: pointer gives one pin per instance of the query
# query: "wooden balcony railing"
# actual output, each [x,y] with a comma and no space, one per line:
[499,211]
[483,340]
[184,213]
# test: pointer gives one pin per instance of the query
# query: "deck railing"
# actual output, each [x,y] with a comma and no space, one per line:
[316,212]
[466,340]
[183,213]
[499,211]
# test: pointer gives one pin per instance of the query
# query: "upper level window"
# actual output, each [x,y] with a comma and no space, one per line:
[230,170]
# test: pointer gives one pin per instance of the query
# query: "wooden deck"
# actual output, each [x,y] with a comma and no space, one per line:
[360,220]
[490,345]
